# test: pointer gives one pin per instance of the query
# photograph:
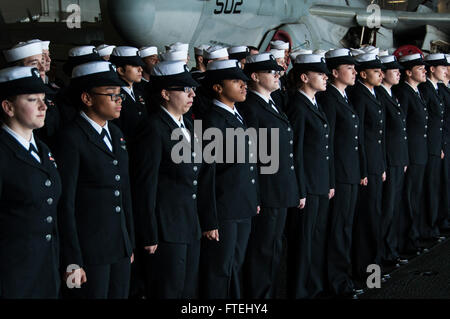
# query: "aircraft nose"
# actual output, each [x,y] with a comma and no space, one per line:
[149,21]
[134,21]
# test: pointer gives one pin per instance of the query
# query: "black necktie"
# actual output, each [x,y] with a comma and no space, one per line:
[345,98]
[239,117]
[105,133]
[32,148]
[419,95]
[272,104]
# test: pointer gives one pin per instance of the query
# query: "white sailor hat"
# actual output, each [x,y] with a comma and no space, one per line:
[311,62]
[174,56]
[105,49]
[44,44]
[93,74]
[238,52]
[368,61]
[22,50]
[261,62]
[277,54]
[177,46]
[371,49]
[319,52]
[337,57]
[436,59]
[411,60]
[215,52]
[79,55]
[125,55]
[148,51]
[200,49]
[171,74]
[390,62]
[82,50]
[297,52]
[383,53]
[21,80]
[279,45]
[356,52]
[219,70]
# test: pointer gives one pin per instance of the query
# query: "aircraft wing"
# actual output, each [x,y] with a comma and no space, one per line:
[397,20]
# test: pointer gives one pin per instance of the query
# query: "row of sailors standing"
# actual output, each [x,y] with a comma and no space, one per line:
[321,144]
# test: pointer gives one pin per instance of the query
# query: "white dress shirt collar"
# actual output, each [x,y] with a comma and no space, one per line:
[180,123]
[370,90]
[22,141]
[313,100]
[434,84]
[129,91]
[98,129]
[342,92]
[389,91]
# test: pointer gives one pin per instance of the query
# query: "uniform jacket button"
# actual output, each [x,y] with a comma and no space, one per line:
[291,155]
[118,209]
[117,177]
[116,193]
[48,183]
[115,162]
[251,168]
[194,196]
[49,219]
[356,148]
[253,181]
[50,201]
[195,182]
[379,141]
[48,237]
[292,167]
[195,168]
